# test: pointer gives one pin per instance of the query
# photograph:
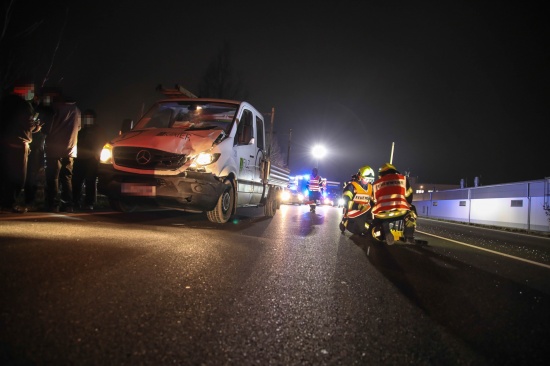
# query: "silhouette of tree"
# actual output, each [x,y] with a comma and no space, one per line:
[27,50]
[220,80]
[277,157]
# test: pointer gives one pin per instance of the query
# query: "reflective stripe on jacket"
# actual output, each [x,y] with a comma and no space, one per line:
[315,184]
[359,199]
[389,194]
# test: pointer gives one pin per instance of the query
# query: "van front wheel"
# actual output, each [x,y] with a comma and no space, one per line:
[122,206]
[222,212]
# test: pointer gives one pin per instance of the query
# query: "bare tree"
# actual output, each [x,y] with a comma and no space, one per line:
[277,157]
[220,79]
[21,34]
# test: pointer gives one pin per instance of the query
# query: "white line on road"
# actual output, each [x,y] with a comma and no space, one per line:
[488,250]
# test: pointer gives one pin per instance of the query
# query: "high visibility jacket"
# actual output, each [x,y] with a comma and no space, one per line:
[315,184]
[360,199]
[390,196]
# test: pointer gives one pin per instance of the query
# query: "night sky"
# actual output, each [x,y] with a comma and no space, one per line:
[460,87]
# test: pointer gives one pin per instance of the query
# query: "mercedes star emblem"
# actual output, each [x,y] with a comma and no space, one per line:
[143,157]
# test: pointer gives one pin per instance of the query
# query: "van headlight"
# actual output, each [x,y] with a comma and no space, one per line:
[204,159]
[106,156]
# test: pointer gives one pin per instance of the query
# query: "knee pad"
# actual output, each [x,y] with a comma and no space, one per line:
[410,220]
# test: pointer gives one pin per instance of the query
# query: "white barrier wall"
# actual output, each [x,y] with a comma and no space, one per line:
[515,205]
[539,216]
[499,212]
[443,209]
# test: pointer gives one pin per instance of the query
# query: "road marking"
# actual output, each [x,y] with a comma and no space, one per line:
[31,215]
[489,228]
[488,250]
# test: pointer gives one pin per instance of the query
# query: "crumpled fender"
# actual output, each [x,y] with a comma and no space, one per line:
[169,139]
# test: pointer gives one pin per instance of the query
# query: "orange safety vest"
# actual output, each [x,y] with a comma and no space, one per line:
[314,185]
[389,194]
[362,198]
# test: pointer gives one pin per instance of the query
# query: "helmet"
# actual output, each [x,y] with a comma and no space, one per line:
[366,173]
[386,168]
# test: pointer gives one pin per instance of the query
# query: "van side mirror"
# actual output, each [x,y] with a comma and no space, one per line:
[126,126]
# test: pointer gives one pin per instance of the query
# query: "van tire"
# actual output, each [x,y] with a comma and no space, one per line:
[224,208]
[270,207]
[122,206]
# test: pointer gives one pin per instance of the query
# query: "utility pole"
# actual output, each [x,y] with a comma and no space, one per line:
[288,151]
[271,131]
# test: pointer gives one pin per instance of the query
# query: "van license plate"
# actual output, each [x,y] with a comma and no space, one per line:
[137,189]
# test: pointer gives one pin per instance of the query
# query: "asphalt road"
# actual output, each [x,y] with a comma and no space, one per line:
[167,287]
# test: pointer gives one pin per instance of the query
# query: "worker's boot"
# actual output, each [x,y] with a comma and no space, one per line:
[388,236]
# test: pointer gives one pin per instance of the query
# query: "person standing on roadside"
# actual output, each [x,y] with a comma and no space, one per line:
[315,188]
[18,122]
[36,163]
[91,139]
[61,150]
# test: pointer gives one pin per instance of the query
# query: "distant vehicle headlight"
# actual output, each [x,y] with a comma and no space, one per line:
[300,196]
[285,196]
[341,202]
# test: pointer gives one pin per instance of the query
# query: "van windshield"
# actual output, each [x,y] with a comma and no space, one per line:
[187,116]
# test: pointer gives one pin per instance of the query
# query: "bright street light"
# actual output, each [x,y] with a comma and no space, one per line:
[318,152]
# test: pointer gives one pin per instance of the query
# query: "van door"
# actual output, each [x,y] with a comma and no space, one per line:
[259,157]
[245,148]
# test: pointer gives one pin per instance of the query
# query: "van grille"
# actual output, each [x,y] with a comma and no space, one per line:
[147,159]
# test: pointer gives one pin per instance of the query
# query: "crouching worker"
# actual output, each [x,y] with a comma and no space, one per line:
[393,197]
[357,202]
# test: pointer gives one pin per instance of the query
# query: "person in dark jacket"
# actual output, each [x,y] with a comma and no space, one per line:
[18,122]
[36,163]
[61,150]
[91,139]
